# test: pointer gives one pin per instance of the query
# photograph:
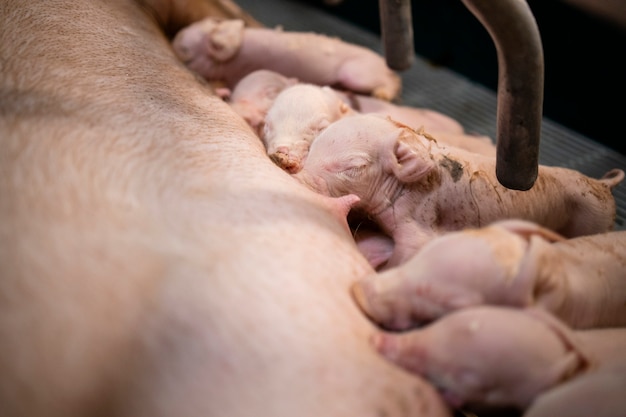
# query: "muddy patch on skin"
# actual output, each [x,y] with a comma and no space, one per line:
[455,168]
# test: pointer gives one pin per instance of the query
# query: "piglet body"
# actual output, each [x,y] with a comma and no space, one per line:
[511,262]
[488,356]
[226,50]
[416,189]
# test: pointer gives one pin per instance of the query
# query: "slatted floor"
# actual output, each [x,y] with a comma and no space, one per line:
[473,105]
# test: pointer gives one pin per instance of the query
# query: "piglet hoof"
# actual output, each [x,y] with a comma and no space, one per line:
[286,160]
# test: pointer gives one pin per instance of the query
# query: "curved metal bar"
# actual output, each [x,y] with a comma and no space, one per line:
[514,31]
[396,25]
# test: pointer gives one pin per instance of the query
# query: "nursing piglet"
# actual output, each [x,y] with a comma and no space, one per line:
[296,117]
[415,189]
[489,357]
[511,262]
[227,50]
[254,94]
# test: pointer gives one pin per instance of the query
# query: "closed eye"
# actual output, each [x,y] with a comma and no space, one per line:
[354,172]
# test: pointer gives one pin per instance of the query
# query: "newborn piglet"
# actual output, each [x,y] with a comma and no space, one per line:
[296,117]
[253,95]
[443,127]
[511,262]
[489,357]
[227,50]
[415,189]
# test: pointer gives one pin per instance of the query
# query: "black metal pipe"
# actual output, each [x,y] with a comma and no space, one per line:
[396,25]
[514,31]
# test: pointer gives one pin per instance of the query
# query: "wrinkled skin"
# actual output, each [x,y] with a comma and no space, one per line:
[228,51]
[297,116]
[513,263]
[415,189]
[489,356]
[140,219]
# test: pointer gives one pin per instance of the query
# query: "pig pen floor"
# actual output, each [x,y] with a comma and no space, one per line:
[437,88]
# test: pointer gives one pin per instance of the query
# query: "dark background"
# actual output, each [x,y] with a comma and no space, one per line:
[584,57]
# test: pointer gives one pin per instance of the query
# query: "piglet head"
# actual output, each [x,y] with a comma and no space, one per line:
[488,356]
[254,94]
[224,39]
[295,119]
[367,155]
[214,38]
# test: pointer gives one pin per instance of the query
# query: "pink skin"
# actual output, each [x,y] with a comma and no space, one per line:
[254,94]
[597,393]
[415,189]
[489,356]
[296,117]
[511,262]
[140,222]
[447,130]
[227,51]
[412,116]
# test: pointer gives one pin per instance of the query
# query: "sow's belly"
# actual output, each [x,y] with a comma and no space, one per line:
[271,329]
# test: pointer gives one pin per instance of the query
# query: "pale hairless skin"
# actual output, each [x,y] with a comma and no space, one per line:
[512,262]
[415,189]
[296,115]
[598,393]
[155,262]
[254,94]
[490,357]
[226,50]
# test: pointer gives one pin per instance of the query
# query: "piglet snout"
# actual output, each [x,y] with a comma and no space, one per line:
[287,159]
[372,296]
[290,157]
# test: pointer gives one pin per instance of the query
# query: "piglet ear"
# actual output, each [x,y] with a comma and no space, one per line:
[412,158]
[225,39]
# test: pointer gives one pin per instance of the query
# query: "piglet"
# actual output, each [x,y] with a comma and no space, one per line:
[415,189]
[296,117]
[510,262]
[254,94]
[489,357]
[445,128]
[226,50]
